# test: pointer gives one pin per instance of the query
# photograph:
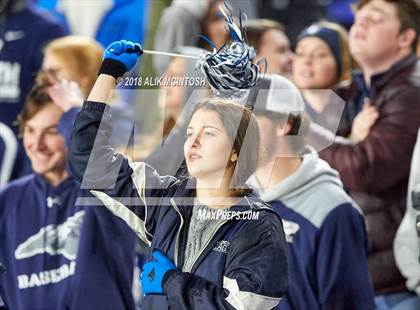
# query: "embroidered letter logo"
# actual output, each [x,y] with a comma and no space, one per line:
[222,246]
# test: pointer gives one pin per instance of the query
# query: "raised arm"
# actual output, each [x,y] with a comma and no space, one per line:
[120,184]
[93,127]
[103,89]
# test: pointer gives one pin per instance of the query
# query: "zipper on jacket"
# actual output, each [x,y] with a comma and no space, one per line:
[179,232]
[211,239]
[206,245]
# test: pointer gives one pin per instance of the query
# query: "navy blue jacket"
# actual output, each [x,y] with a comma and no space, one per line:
[327,241]
[20,31]
[243,266]
[13,160]
[328,264]
[106,254]
[39,235]
[23,31]
[105,262]
[60,254]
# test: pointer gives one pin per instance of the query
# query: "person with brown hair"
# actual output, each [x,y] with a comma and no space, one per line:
[270,43]
[42,225]
[24,33]
[76,61]
[322,60]
[39,222]
[325,229]
[375,170]
[229,262]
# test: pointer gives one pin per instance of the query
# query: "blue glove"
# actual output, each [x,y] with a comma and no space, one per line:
[154,273]
[120,57]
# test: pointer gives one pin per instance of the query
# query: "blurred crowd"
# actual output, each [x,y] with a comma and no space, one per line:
[345,164]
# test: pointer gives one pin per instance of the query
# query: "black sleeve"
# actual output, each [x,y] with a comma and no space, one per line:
[130,190]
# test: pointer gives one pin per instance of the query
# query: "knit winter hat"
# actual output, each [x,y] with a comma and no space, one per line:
[330,37]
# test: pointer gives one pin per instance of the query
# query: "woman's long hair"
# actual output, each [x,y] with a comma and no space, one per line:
[242,130]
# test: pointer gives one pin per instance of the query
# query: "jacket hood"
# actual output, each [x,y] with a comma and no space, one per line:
[312,172]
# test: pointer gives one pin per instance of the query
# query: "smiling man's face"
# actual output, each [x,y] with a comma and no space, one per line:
[43,144]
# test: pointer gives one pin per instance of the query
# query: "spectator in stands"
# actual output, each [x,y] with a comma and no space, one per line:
[271,43]
[45,271]
[375,171]
[324,227]
[25,31]
[39,223]
[75,58]
[225,278]
[78,59]
[322,60]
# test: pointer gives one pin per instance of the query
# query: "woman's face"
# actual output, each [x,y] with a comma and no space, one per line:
[314,65]
[207,148]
